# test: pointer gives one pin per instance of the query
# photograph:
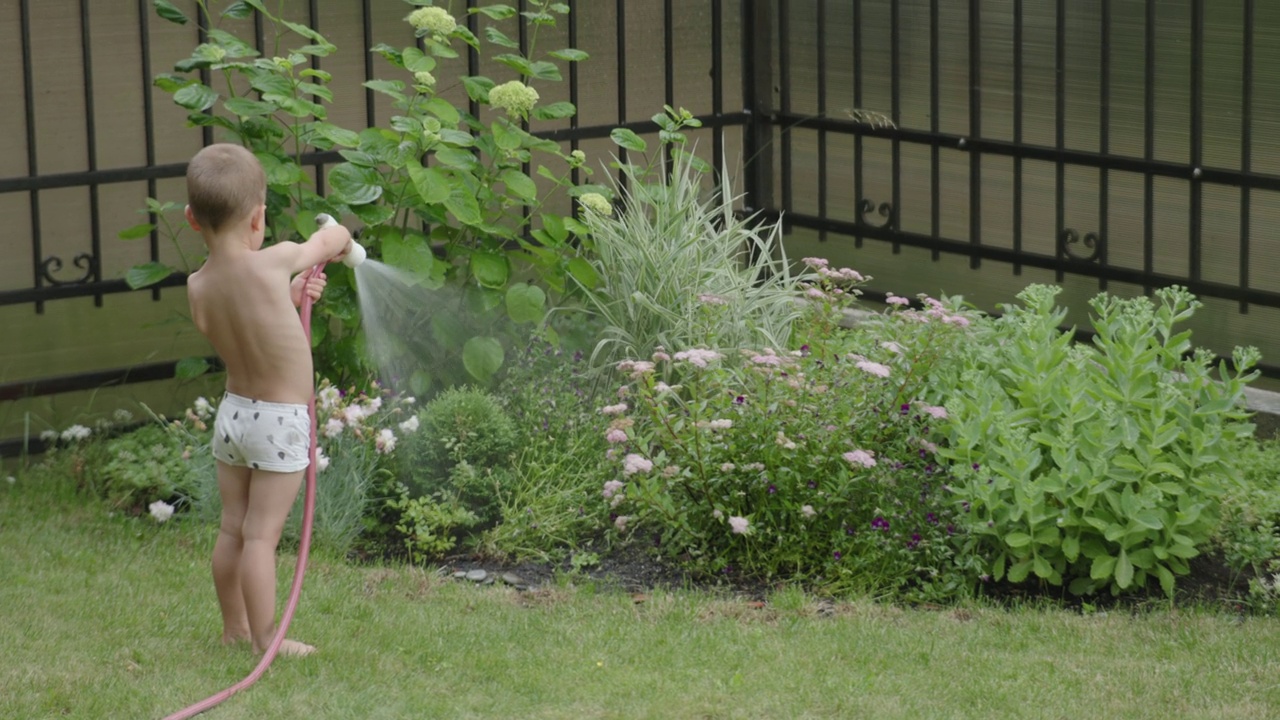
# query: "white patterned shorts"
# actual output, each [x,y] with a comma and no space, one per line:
[262,435]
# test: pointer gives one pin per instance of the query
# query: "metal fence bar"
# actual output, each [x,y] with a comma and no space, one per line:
[975,128]
[91,142]
[935,149]
[822,112]
[784,100]
[1060,134]
[895,114]
[149,130]
[33,166]
[859,198]
[1017,133]
[1246,143]
[717,80]
[1197,135]
[1149,143]
[1104,138]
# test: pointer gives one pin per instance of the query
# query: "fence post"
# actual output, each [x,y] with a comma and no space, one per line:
[757,94]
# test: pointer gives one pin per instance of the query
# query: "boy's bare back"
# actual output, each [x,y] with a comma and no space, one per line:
[240,297]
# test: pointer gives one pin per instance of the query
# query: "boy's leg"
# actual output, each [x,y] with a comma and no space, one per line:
[233,486]
[271,497]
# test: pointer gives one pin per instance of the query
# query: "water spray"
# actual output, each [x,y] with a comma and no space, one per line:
[355,255]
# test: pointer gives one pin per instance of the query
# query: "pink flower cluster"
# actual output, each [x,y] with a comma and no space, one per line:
[698,356]
[864,458]
[633,464]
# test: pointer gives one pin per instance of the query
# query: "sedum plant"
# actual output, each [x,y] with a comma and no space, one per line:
[441,192]
[1098,467]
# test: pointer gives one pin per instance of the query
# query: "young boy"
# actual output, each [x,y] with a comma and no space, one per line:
[243,301]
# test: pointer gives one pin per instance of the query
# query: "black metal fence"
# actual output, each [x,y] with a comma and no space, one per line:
[1130,143]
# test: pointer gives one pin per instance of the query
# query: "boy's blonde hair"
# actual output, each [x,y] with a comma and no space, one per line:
[225,183]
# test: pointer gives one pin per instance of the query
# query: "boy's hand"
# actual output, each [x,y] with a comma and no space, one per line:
[314,288]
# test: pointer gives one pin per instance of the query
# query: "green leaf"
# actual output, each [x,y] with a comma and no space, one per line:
[462,204]
[1019,571]
[482,357]
[1103,567]
[583,272]
[246,108]
[627,139]
[1166,579]
[497,37]
[431,183]
[1017,540]
[355,185]
[490,269]
[526,303]
[166,10]
[496,12]
[505,134]
[555,111]
[515,62]
[280,172]
[1071,547]
[140,276]
[393,88]
[1041,567]
[519,184]
[136,232]
[238,11]
[569,54]
[443,109]
[1124,570]
[478,87]
[196,97]
[373,213]
[544,70]
[190,368]
[410,254]
[417,61]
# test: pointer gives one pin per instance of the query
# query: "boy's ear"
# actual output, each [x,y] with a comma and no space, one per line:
[258,220]
[191,218]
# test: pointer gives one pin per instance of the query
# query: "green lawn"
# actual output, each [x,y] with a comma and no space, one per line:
[112,617]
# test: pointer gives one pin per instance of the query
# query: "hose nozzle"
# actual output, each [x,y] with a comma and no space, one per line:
[357,253]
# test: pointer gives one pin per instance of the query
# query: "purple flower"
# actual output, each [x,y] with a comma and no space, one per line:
[804,350]
[577,356]
[880,523]
[976,466]
[905,409]
[931,518]
[813,485]
[743,398]
[915,540]
[836,555]
[772,488]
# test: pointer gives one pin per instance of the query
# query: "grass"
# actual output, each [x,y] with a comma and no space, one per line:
[114,617]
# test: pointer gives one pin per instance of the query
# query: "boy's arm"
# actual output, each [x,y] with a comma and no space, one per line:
[325,245]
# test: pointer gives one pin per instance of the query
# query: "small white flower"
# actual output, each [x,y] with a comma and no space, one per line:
[333,428]
[328,397]
[353,414]
[161,510]
[76,432]
[873,368]
[860,457]
[611,488]
[808,511]
[11,480]
[386,441]
[717,514]
[203,408]
[122,416]
[935,411]
[740,525]
[698,356]
[727,467]
[372,405]
[322,460]
[621,522]
[783,441]
[409,426]
[720,424]
[49,435]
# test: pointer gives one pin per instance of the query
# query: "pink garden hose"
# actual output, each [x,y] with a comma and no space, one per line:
[355,257]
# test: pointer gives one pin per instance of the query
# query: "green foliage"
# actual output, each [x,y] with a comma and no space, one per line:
[1249,535]
[143,466]
[1096,467]
[676,267]
[430,526]
[434,165]
[795,464]
[550,506]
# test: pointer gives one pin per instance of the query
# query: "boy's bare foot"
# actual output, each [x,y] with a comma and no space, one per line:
[293,648]
[235,639]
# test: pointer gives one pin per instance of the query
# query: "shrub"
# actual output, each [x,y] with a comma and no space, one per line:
[771,463]
[673,256]
[550,505]
[1094,466]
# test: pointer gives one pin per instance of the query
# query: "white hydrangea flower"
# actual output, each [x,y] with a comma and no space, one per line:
[515,97]
[432,19]
[596,203]
[76,432]
[410,425]
[203,408]
[161,510]
[424,78]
